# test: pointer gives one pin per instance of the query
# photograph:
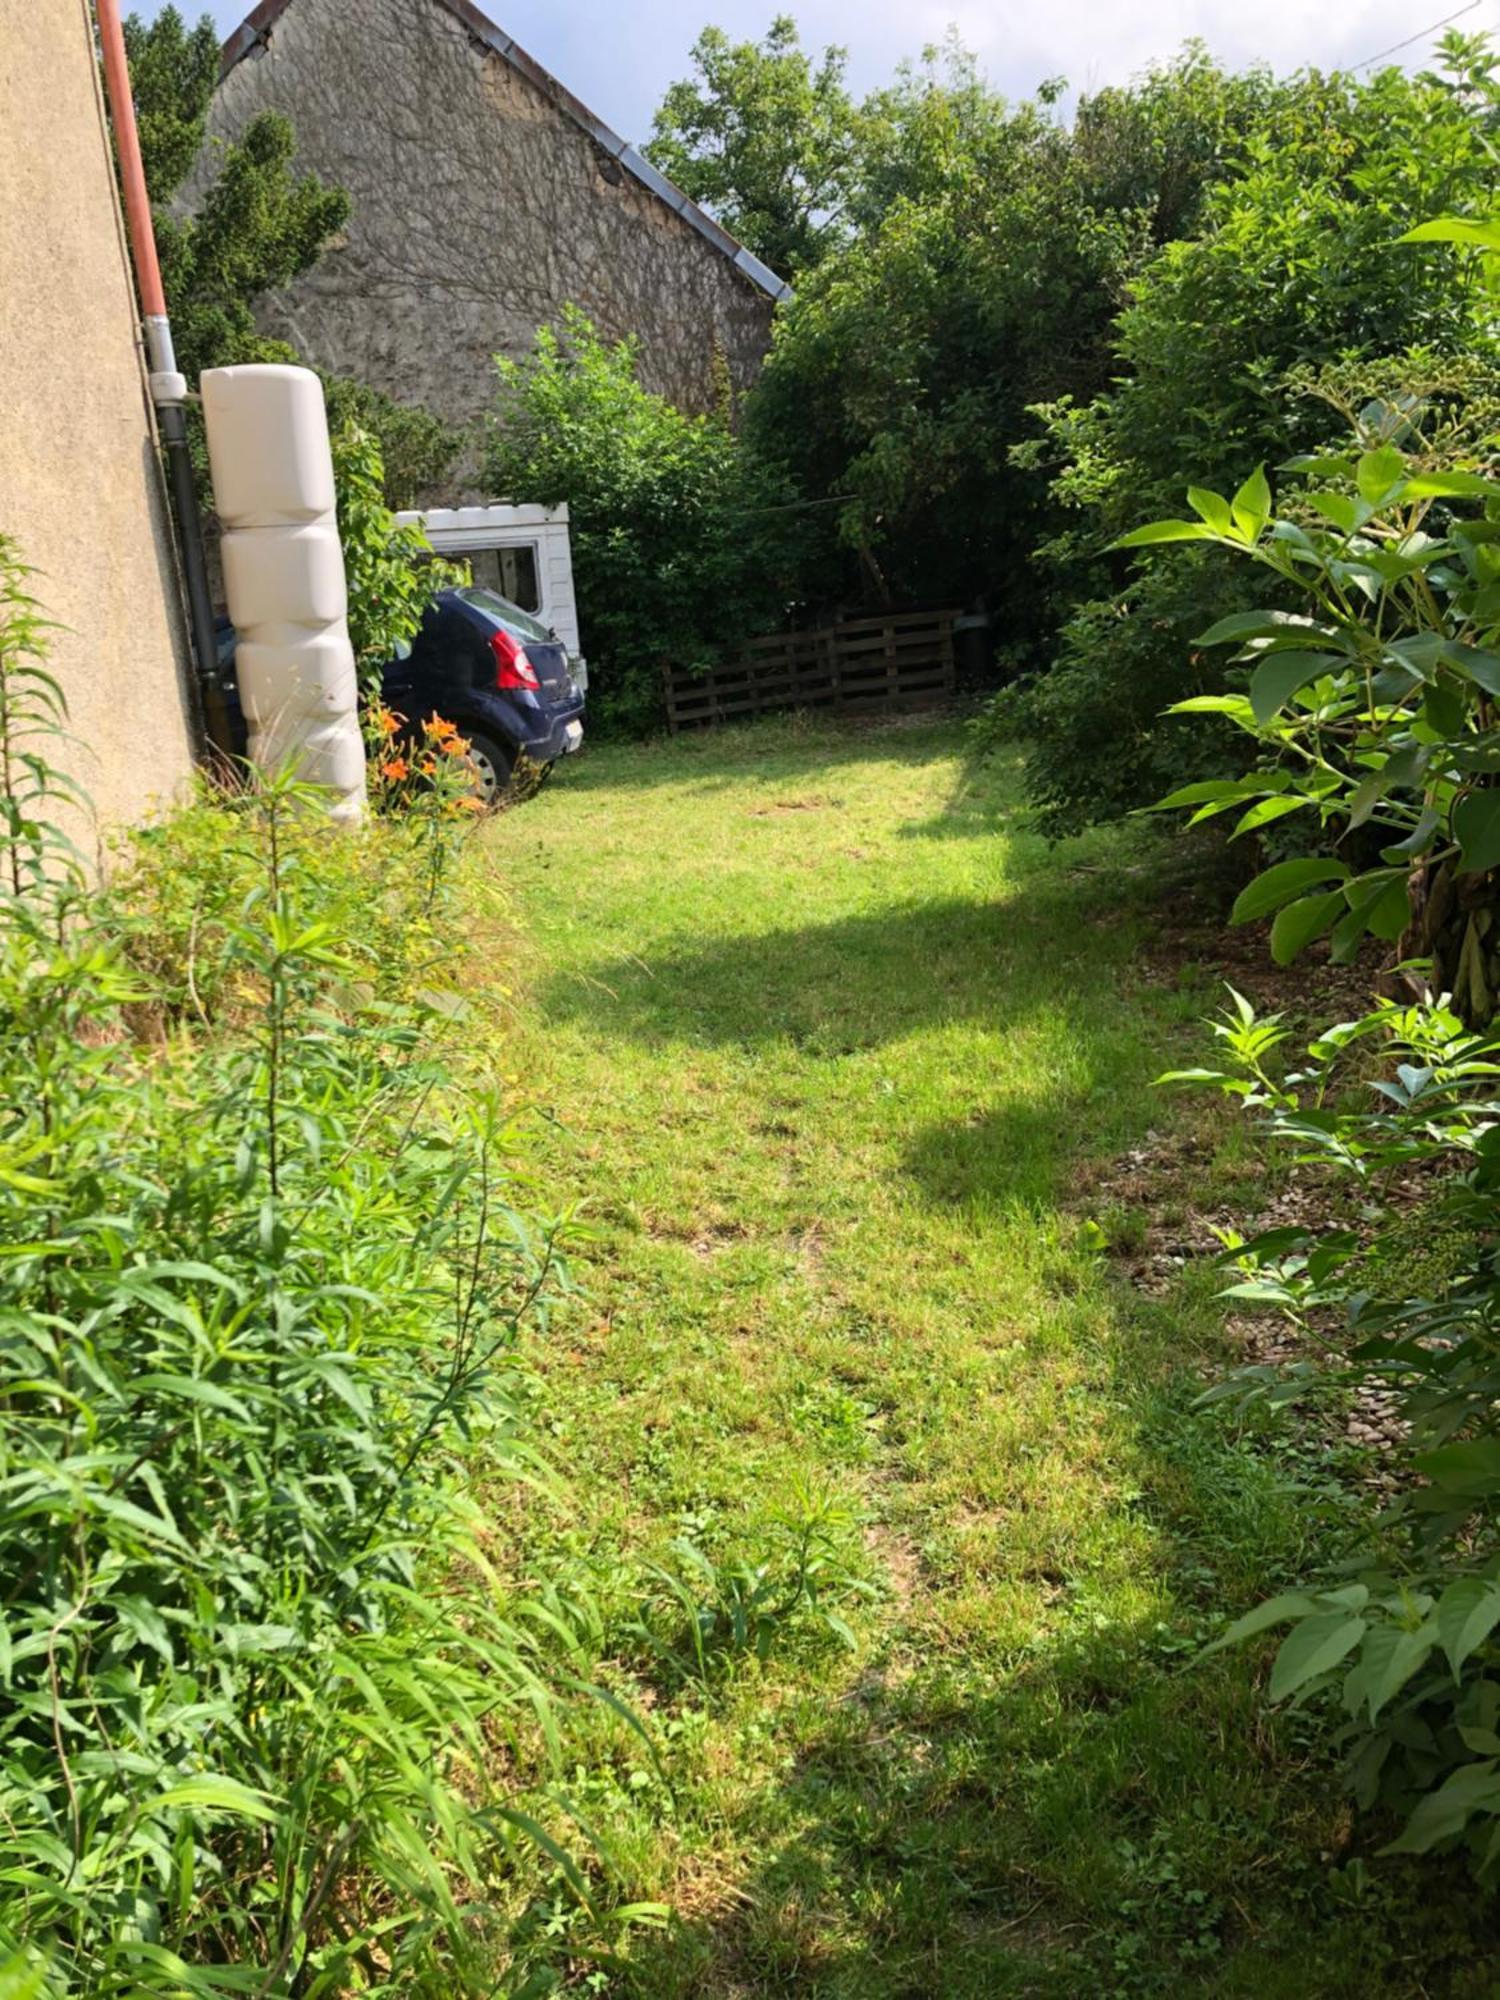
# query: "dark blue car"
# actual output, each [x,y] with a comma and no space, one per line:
[484,665]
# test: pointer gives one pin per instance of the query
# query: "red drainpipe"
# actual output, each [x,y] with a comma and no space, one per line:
[168,388]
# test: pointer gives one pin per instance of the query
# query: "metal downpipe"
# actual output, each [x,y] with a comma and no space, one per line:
[168,388]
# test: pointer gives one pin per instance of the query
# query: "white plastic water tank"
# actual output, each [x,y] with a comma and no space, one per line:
[284,575]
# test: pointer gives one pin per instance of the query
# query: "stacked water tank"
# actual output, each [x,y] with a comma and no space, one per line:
[284,576]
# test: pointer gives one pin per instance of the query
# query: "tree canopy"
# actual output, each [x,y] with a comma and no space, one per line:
[259,223]
[766,139]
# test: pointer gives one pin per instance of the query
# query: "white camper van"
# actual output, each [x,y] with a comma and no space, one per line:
[522,553]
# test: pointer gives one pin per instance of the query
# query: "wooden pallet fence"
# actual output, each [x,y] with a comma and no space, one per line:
[901,661]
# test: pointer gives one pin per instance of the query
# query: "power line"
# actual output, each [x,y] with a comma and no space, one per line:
[1420,36]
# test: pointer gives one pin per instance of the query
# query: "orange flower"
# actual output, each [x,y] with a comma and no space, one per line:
[438,729]
[386,720]
[394,769]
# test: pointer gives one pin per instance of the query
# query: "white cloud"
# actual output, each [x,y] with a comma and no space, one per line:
[619,59]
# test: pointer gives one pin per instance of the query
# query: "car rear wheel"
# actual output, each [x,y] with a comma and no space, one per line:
[493,762]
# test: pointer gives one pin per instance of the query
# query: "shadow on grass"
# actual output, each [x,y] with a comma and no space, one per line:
[1088,1812]
[860,981]
[1098,1813]
[982,801]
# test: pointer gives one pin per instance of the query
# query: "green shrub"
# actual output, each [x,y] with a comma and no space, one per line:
[1294,272]
[1092,722]
[675,533]
[1369,699]
[995,249]
[418,450]
[259,1305]
[1368,703]
[1400,1641]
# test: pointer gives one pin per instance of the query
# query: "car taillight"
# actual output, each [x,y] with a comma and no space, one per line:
[512,668]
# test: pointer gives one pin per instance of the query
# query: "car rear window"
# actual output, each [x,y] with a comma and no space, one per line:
[516,621]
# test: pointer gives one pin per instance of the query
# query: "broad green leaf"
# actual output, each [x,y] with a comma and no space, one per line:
[1451,486]
[1348,935]
[1402,769]
[1339,509]
[1278,885]
[1239,625]
[1297,924]
[1474,233]
[1388,914]
[1326,467]
[1417,841]
[1468,1611]
[1163,531]
[1378,472]
[1275,1611]
[1211,507]
[1280,675]
[1443,709]
[1475,664]
[1388,1658]
[1264,811]
[1476,826]
[1470,1470]
[1206,791]
[1235,706]
[1251,506]
[1314,1646]
[1472,1789]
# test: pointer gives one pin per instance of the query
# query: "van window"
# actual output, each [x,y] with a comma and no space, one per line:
[511,572]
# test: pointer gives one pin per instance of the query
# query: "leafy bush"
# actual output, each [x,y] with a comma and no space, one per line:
[1294,269]
[1371,707]
[1091,723]
[997,249]
[389,566]
[674,531]
[1402,1639]
[417,449]
[258,1316]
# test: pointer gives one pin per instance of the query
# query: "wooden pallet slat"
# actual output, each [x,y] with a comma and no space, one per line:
[901,660]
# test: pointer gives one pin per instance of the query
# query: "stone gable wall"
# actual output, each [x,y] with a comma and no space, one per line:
[480,208]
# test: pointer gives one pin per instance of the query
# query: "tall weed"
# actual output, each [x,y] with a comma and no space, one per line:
[260,1288]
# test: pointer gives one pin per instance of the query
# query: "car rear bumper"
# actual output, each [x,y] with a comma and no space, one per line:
[561,738]
[530,726]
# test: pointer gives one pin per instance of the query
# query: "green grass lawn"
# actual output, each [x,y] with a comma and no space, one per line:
[828,1047]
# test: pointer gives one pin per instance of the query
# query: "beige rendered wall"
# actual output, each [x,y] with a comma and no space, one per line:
[79,486]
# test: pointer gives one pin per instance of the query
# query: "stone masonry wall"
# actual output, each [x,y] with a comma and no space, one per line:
[480,208]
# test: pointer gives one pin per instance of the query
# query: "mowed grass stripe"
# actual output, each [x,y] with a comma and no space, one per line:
[829,1043]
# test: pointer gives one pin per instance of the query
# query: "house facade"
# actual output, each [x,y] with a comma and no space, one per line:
[80,484]
[485,198]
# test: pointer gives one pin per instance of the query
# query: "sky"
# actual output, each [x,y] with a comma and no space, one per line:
[619,58]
